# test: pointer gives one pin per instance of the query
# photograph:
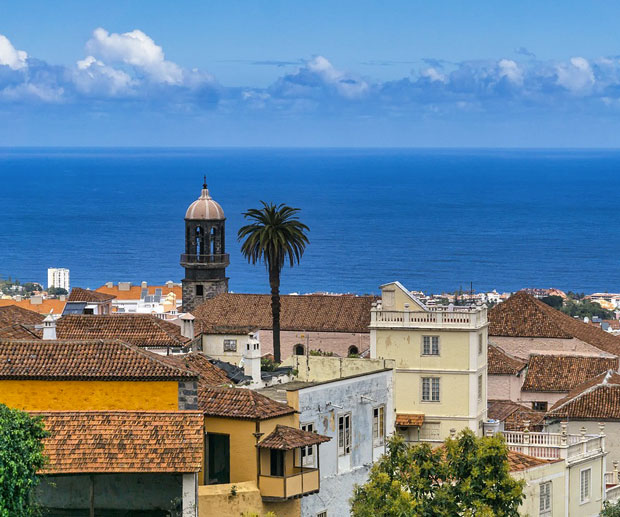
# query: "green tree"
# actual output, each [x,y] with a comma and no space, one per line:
[586,308]
[611,509]
[21,457]
[553,301]
[467,476]
[275,236]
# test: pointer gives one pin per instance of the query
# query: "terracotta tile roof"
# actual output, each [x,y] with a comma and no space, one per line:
[11,314]
[240,403]
[208,374]
[78,294]
[517,461]
[45,307]
[314,313]
[595,399]
[557,373]
[18,331]
[514,415]
[523,315]
[82,360]
[409,420]
[613,324]
[499,362]
[123,441]
[138,329]
[286,438]
[135,291]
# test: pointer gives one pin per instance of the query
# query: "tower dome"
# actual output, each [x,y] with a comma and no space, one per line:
[205,207]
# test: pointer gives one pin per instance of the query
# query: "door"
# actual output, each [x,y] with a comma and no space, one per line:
[277,463]
[219,458]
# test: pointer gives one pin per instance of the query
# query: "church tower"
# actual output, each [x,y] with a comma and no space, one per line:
[205,259]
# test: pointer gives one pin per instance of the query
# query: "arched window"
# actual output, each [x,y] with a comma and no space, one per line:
[353,351]
[299,350]
[199,240]
[213,241]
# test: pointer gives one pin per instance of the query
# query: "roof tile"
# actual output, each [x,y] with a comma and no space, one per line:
[286,438]
[316,313]
[499,362]
[123,441]
[240,403]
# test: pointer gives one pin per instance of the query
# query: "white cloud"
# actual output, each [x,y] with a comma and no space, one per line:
[136,49]
[93,76]
[345,84]
[10,56]
[510,70]
[433,74]
[576,76]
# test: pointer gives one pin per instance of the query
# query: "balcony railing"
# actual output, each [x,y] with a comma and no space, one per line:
[436,317]
[551,446]
[223,259]
[298,483]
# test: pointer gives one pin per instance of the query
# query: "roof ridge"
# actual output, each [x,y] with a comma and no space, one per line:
[152,356]
[157,324]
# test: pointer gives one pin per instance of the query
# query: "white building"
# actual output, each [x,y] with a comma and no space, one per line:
[58,277]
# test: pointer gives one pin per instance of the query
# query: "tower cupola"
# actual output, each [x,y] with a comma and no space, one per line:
[205,258]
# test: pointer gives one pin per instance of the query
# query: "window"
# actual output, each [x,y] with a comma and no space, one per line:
[277,462]
[545,498]
[378,426]
[322,514]
[299,350]
[479,387]
[353,351]
[307,453]
[480,343]
[584,485]
[430,345]
[430,431]
[230,345]
[430,389]
[344,434]
[199,290]
[539,406]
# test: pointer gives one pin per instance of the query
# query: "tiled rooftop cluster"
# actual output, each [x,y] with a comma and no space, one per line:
[123,441]
[79,294]
[308,312]
[141,330]
[81,360]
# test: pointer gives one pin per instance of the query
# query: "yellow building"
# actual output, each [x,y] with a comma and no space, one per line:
[49,375]
[253,455]
[440,356]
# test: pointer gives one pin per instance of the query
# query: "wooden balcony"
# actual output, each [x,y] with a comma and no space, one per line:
[298,483]
[206,261]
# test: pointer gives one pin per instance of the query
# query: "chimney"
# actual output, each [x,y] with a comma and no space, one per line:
[169,284]
[251,359]
[63,297]
[36,300]
[187,325]
[144,285]
[49,327]
[124,286]
[109,285]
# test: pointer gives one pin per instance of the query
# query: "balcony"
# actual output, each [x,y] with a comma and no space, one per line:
[466,318]
[553,446]
[300,482]
[207,261]
[281,474]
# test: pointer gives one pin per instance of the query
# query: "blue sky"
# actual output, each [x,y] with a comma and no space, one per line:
[292,73]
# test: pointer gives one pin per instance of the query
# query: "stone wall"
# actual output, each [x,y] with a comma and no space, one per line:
[210,290]
[319,368]
[188,395]
[338,343]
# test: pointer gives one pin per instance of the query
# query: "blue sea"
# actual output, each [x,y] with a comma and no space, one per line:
[434,219]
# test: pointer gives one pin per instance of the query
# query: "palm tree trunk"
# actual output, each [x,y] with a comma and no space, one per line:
[274,282]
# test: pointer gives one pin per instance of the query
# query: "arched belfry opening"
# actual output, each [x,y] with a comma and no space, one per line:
[205,258]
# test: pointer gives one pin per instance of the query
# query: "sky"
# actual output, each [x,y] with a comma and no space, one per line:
[400,73]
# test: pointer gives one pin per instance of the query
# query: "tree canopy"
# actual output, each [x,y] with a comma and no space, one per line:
[467,476]
[21,456]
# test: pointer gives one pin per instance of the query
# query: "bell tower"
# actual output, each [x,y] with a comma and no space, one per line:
[205,259]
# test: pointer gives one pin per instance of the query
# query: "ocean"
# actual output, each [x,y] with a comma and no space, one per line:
[436,220]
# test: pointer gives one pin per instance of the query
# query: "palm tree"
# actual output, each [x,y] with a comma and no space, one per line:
[274,237]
